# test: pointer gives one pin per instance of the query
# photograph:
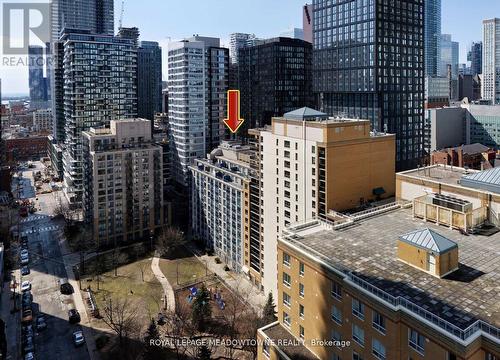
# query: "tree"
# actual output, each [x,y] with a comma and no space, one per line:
[120,315]
[269,311]
[201,310]
[169,241]
[143,265]
[204,353]
[151,350]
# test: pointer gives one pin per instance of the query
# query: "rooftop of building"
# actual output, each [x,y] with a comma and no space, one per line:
[279,335]
[485,180]
[470,149]
[366,251]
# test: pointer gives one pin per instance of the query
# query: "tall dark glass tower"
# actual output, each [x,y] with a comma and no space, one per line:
[36,80]
[475,56]
[148,79]
[368,62]
[432,36]
[275,78]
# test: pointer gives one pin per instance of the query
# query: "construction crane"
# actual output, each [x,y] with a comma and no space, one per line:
[120,22]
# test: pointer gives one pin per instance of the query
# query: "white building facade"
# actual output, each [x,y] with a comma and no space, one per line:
[490,89]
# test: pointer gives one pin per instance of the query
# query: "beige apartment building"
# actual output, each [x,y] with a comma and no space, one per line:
[306,165]
[123,192]
[385,287]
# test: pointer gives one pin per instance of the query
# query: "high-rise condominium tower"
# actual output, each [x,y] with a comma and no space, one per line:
[96,82]
[432,36]
[368,62]
[491,60]
[198,82]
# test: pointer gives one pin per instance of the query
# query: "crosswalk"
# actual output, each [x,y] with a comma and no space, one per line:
[33,218]
[40,229]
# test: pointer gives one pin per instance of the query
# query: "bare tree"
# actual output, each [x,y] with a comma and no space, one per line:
[169,241]
[121,316]
[143,265]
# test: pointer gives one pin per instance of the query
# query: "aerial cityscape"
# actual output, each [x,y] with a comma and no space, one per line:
[321,181]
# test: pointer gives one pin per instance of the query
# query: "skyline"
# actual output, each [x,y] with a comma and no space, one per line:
[215,20]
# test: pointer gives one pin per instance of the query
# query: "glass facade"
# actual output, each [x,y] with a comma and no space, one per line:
[149,79]
[275,78]
[368,62]
[432,36]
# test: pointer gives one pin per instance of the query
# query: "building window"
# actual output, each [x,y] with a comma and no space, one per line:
[301,311]
[378,349]
[286,279]
[336,336]
[265,349]
[416,341]
[336,290]
[358,335]
[336,357]
[286,299]
[286,319]
[358,309]
[301,290]
[301,331]
[336,315]
[301,269]
[379,322]
[286,259]
[356,356]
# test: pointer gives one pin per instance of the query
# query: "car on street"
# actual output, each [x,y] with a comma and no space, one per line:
[25,270]
[73,316]
[29,356]
[41,323]
[24,252]
[78,338]
[25,286]
[65,287]
[27,316]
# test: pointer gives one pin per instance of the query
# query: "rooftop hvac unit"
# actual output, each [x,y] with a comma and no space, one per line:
[451,202]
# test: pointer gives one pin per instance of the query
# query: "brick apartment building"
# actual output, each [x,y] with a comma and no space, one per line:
[26,148]
[473,156]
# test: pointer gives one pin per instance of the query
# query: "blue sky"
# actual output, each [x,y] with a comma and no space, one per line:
[162,20]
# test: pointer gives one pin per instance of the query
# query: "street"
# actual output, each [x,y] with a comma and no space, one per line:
[46,268]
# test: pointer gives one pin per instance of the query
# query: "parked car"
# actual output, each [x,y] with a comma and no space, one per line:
[29,356]
[25,270]
[40,323]
[78,338]
[25,286]
[27,316]
[73,316]
[24,252]
[28,330]
[65,287]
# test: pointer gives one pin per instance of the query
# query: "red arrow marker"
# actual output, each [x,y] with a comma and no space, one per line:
[233,121]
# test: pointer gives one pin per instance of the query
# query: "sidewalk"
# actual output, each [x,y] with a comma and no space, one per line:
[167,288]
[12,321]
[79,304]
[235,281]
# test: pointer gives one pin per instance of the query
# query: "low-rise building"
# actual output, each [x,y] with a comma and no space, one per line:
[220,197]
[28,147]
[386,287]
[123,188]
[473,156]
[42,120]
[456,197]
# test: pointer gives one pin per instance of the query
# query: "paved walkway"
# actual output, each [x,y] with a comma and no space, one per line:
[79,304]
[168,291]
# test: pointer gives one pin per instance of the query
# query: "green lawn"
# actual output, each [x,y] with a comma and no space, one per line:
[182,271]
[129,283]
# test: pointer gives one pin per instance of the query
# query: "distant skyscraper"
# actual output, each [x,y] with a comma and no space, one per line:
[491,60]
[449,56]
[148,79]
[275,78]
[294,33]
[238,41]
[36,80]
[197,86]
[96,82]
[475,56]
[96,16]
[432,36]
[307,21]
[371,66]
